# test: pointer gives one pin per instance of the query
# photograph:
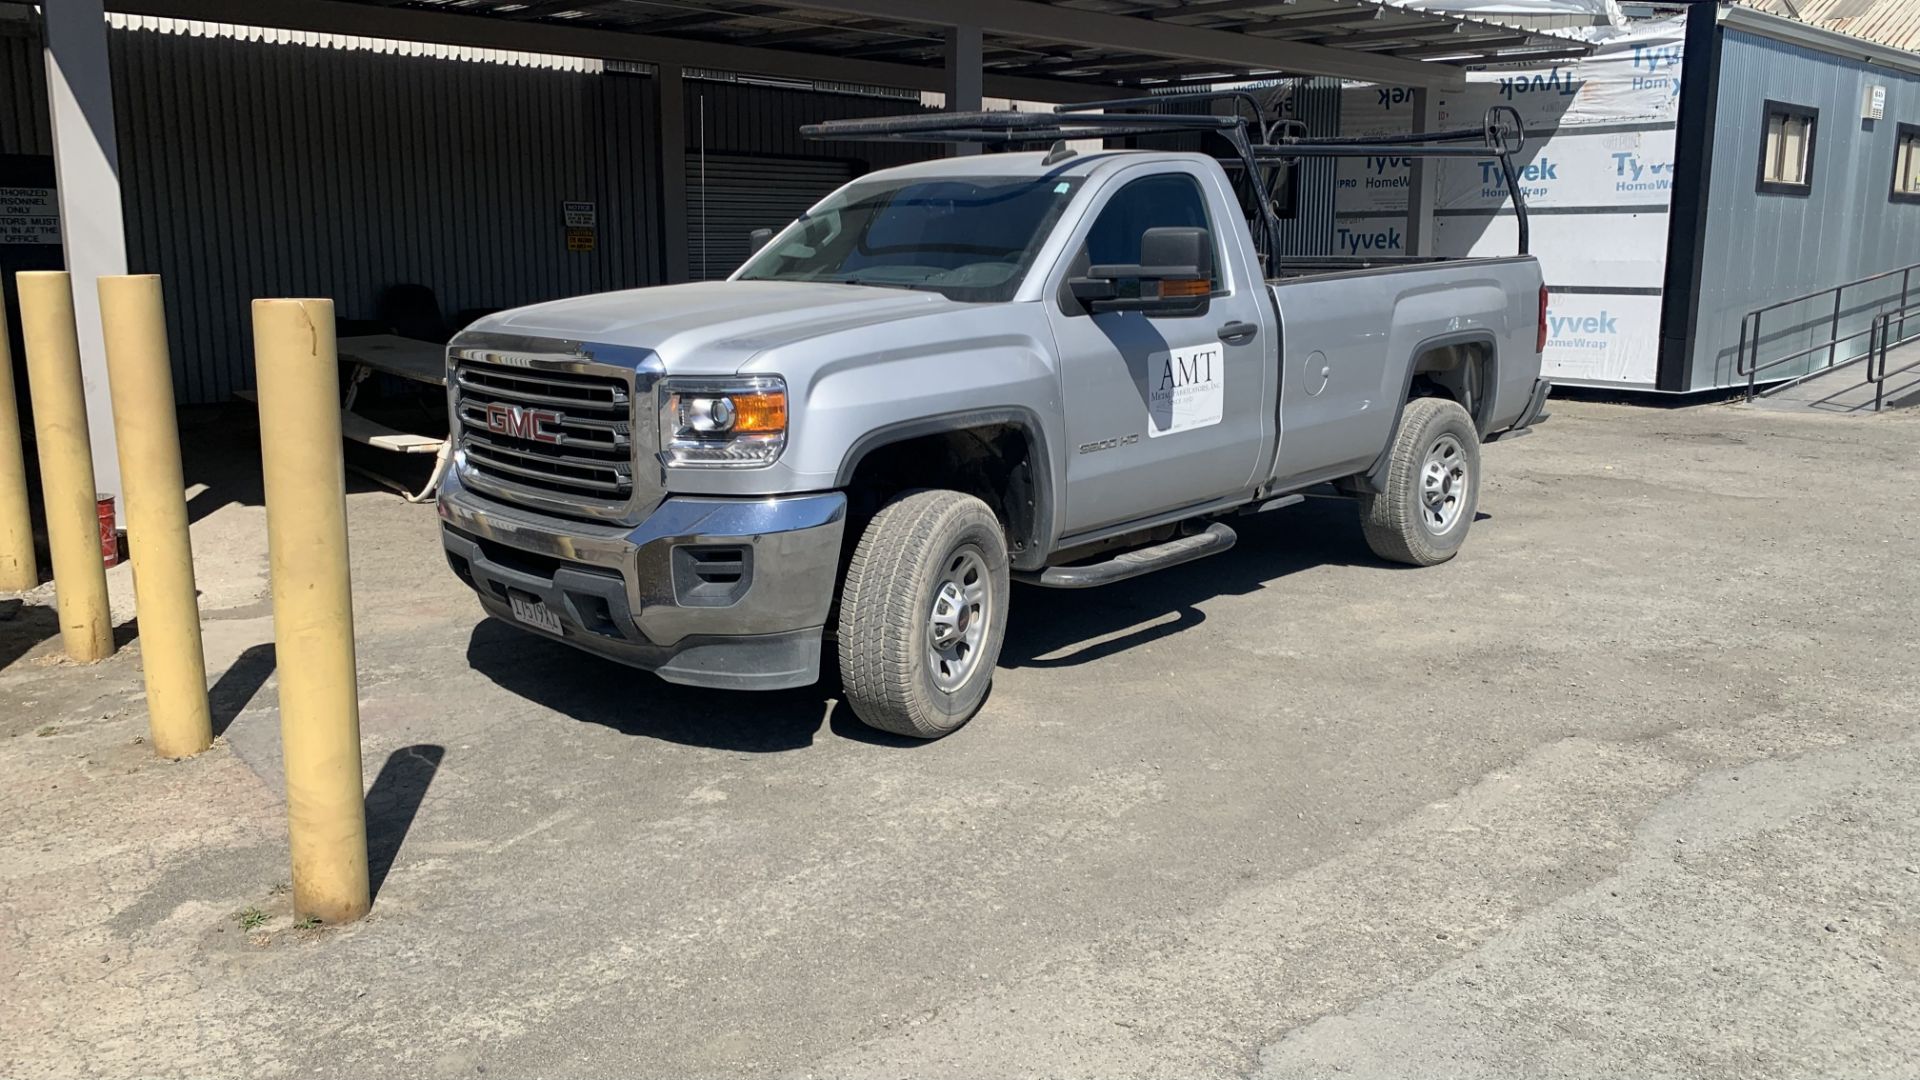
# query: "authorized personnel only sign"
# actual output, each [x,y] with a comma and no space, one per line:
[29,215]
[1186,389]
[582,221]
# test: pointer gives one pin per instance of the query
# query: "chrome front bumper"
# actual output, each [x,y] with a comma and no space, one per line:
[729,593]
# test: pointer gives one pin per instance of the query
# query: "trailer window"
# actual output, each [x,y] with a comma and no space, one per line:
[1786,148]
[1906,163]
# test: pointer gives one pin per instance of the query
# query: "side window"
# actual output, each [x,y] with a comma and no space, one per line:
[1786,149]
[1151,202]
[1906,164]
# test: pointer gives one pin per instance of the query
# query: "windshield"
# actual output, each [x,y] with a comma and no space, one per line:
[970,239]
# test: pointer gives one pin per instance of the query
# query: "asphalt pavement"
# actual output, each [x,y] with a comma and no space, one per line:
[1626,790]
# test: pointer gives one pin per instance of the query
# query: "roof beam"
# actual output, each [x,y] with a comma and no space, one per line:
[540,9]
[1211,7]
[1048,22]
[812,31]
[706,18]
[484,32]
[1487,52]
[1472,48]
[1302,22]
[1412,34]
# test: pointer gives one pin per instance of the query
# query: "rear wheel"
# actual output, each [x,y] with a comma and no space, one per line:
[923,614]
[1432,489]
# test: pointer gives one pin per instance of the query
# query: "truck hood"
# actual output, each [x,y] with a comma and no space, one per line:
[714,327]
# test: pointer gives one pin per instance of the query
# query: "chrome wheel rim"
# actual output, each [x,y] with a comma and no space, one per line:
[1444,482]
[958,618]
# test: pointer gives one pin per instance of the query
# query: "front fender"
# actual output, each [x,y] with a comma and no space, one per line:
[851,391]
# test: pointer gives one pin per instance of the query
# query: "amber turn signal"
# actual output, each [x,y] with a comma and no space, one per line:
[760,413]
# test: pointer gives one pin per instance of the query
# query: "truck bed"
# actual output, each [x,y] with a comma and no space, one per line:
[1352,331]
[1293,269]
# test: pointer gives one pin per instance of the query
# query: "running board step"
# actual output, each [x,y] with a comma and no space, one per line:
[1215,539]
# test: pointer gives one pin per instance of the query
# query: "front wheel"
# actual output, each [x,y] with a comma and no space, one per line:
[923,613]
[1433,486]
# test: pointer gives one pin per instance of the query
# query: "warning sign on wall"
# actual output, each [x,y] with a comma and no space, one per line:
[581,219]
[29,215]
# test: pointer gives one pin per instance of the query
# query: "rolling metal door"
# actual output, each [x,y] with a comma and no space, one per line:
[730,195]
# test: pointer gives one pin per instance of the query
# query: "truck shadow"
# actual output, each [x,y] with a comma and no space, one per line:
[1053,628]
[1320,532]
[632,702]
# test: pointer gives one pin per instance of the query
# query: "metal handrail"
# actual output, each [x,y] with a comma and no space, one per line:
[1882,341]
[1751,320]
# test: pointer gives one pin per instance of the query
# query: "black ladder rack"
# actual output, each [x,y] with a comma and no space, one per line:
[1262,148]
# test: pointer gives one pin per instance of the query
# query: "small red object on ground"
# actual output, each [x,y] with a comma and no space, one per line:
[109,536]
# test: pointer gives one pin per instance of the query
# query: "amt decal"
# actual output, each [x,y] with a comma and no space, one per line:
[1630,173]
[1597,331]
[1394,95]
[1380,241]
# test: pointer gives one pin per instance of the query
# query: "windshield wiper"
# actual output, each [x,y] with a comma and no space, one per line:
[908,285]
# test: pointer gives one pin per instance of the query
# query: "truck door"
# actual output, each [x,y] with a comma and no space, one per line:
[1160,412]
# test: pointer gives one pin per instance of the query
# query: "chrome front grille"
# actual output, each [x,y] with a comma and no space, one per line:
[546,438]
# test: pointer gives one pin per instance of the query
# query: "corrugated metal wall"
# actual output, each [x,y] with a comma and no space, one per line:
[730,195]
[1762,248]
[259,168]
[23,92]
[1310,230]
[253,169]
[760,172]
[745,118]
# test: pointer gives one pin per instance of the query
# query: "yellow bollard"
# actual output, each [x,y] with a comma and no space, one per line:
[66,463]
[18,570]
[299,385]
[140,375]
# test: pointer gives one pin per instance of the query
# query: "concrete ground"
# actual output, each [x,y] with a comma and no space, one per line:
[1628,789]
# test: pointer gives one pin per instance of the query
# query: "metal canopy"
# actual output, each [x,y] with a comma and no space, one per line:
[1072,47]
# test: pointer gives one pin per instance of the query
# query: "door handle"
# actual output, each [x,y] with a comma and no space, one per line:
[1238,333]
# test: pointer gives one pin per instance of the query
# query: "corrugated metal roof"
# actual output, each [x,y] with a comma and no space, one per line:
[1367,29]
[1885,22]
[198,28]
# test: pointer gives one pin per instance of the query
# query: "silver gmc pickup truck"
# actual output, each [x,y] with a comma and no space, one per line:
[1058,368]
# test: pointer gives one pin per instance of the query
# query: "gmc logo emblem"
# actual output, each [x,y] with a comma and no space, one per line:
[513,421]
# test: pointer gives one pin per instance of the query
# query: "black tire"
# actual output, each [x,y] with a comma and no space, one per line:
[893,671]
[1404,523]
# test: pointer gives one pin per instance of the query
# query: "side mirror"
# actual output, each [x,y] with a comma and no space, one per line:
[1174,278]
[756,240]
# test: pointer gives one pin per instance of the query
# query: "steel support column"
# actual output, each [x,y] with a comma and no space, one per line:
[965,58]
[1420,186]
[87,172]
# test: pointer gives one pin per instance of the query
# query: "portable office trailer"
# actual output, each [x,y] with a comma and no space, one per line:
[1785,185]
[1680,177]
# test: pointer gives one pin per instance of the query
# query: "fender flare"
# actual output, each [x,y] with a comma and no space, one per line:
[1375,478]
[1039,542]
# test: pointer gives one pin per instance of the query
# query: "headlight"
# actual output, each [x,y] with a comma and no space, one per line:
[739,421]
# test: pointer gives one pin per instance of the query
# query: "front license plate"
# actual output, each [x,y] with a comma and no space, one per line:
[535,613]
